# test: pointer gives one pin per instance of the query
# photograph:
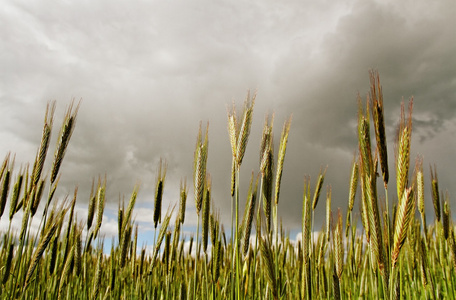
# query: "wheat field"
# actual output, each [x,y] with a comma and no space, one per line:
[387,251]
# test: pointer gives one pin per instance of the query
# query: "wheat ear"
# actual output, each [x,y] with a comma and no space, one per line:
[403,216]
[379,122]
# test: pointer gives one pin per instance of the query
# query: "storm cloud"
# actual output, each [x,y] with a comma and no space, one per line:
[149,72]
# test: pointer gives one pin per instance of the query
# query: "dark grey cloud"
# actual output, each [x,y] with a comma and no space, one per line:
[148,73]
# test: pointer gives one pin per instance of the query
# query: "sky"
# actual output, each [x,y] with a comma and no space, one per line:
[147,73]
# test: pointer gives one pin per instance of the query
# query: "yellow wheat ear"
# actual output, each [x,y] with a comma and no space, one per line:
[403,216]
[244,131]
[403,150]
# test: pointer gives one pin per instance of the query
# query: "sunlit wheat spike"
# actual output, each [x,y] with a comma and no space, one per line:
[233,130]
[364,139]
[64,137]
[251,211]
[404,214]
[338,246]
[44,145]
[199,176]
[328,212]
[266,141]
[318,186]
[182,200]
[306,220]
[403,151]
[353,184]
[268,263]
[159,186]
[379,122]
[206,210]
[435,193]
[244,131]
[100,206]
[446,216]
[420,184]
[131,204]
[281,157]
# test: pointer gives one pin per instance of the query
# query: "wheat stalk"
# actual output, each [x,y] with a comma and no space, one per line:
[183,200]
